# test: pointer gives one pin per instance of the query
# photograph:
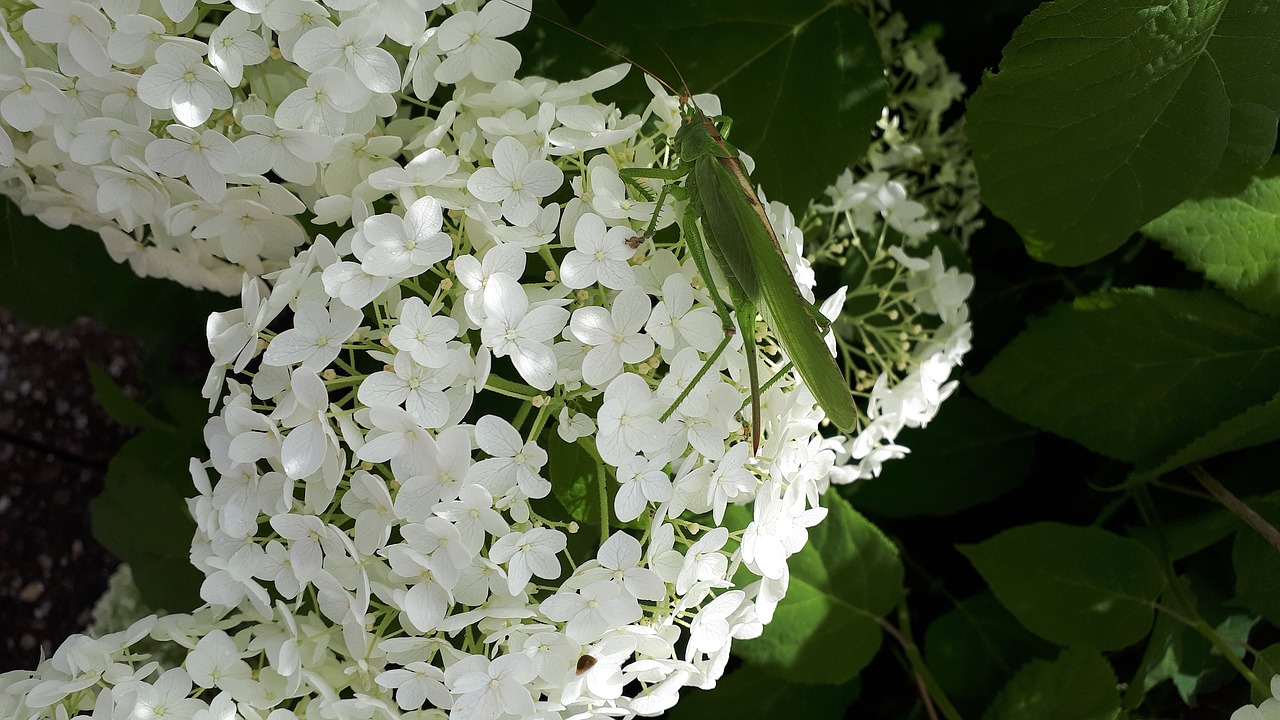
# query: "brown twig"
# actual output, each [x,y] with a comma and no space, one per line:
[1235,505]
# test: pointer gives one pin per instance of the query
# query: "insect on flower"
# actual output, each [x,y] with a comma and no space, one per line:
[722,201]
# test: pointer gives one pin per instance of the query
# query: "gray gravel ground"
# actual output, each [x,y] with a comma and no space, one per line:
[55,442]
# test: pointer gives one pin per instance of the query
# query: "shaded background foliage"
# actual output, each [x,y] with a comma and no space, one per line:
[1046,550]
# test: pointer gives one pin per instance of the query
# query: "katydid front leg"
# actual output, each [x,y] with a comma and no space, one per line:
[693,240]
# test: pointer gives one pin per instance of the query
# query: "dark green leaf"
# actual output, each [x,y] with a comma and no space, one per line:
[754,693]
[976,648]
[1074,586]
[122,408]
[1190,536]
[1079,685]
[803,80]
[1183,656]
[968,455]
[1234,241]
[44,288]
[1107,113]
[825,630]
[575,481]
[1136,374]
[1257,564]
[142,518]
[1265,665]
[1254,426]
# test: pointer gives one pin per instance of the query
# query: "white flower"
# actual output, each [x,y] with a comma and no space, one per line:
[247,230]
[488,689]
[233,45]
[215,660]
[471,41]
[75,27]
[407,246]
[474,275]
[315,338]
[674,323]
[709,631]
[593,610]
[291,154]
[610,195]
[166,699]
[704,562]
[419,388]
[423,335]
[512,330]
[571,426]
[305,448]
[353,47]
[643,481]
[628,420]
[528,554]
[473,515]
[104,138]
[203,158]
[324,105]
[30,98]
[416,684]
[615,336]
[181,82]
[599,255]
[512,461]
[619,560]
[515,180]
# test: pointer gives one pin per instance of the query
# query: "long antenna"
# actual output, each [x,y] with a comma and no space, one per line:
[608,49]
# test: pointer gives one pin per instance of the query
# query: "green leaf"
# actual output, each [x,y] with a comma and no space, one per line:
[1234,241]
[1183,656]
[44,288]
[1075,586]
[142,518]
[1189,536]
[1079,685]
[825,629]
[1136,374]
[1107,113]
[1257,564]
[122,408]
[1266,664]
[755,693]
[574,479]
[973,650]
[575,482]
[803,80]
[968,455]
[1254,426]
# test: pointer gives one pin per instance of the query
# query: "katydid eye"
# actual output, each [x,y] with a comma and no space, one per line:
[585,663]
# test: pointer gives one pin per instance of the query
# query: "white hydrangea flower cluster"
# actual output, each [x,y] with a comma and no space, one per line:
[904,325]
[369,479]
[468,462]
[393,458]
[920,141]
[195,137]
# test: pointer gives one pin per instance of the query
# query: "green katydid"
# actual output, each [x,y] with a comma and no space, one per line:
[736,229]
[742,240]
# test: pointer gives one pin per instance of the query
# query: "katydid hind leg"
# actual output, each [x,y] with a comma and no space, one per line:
[747,321]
